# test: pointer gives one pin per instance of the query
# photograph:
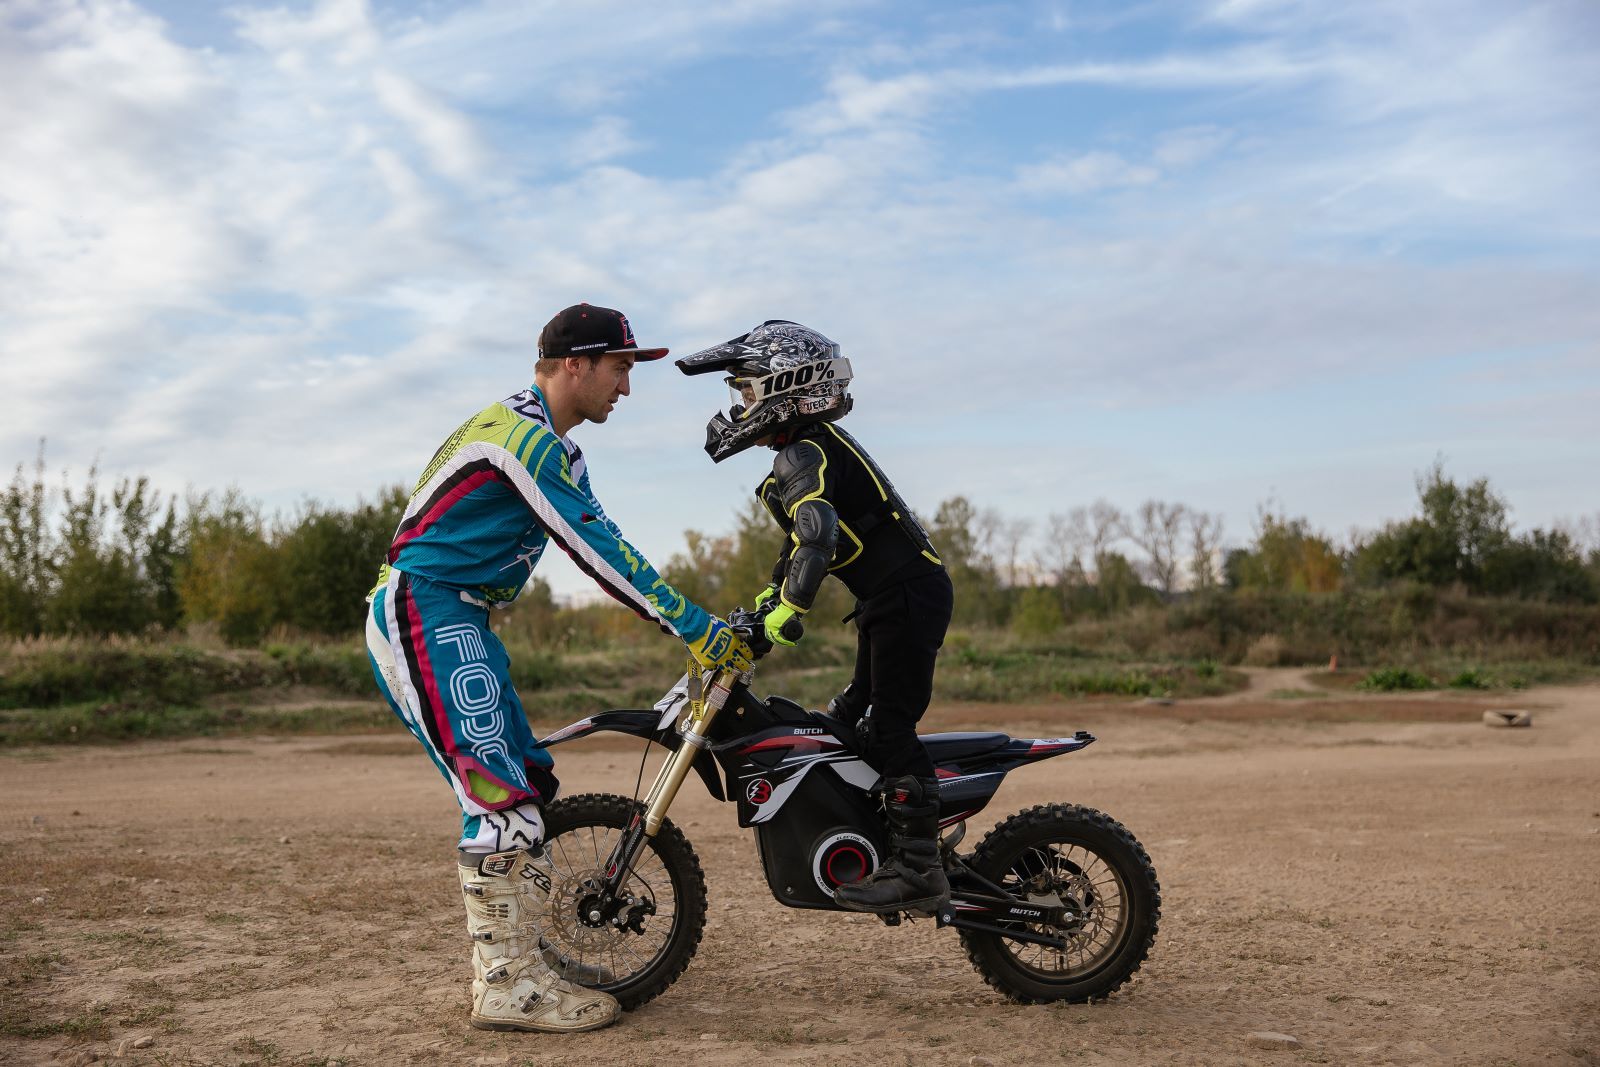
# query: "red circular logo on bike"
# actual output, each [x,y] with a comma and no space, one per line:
[760,791]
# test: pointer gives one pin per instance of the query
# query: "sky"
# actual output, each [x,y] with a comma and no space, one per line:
[1216,252]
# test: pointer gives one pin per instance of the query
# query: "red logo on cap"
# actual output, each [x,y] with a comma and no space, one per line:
[627,331]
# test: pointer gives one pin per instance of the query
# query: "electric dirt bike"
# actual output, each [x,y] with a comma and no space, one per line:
[1058,902]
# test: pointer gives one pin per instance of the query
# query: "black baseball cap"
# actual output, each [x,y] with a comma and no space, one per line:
[587,330]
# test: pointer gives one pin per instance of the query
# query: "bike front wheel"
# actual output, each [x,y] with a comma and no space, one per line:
[1084,862]
[636,952]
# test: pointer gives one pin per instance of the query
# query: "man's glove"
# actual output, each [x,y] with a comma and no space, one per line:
[773,623]
[765,595]
[720,647]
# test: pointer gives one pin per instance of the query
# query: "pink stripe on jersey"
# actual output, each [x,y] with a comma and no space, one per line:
[443,505]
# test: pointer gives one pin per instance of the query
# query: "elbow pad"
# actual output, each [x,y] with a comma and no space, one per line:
[816,532]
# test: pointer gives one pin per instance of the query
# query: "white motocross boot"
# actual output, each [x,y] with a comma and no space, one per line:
[514,987]
[572,970]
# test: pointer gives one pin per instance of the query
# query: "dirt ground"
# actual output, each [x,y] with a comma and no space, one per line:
[1388,881]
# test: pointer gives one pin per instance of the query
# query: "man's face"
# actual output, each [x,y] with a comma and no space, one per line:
[600,387]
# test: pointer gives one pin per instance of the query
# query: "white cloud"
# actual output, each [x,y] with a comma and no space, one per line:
[795,183]
[608,137]
[1189,145]
[98,189]
[855,101]
[344,28]
[294,264]
[1088,173]
[1237,67]
[451,143]
[580,57]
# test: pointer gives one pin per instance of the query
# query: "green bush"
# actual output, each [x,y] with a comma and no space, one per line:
[58,671]
[1390,679]
[344,669]
[1359,625]
[983,669]
[328,560]
[1038,612]
[113,721]
[1110,683]
[1472,678]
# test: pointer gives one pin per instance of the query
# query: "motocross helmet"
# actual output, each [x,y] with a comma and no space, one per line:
[781,375]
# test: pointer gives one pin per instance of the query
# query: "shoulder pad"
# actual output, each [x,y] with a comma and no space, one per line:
[800,470]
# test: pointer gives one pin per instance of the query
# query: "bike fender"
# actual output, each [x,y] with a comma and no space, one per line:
[645,724]
[1033,749]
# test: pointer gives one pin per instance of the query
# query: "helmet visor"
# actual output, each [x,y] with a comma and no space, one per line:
[742,395]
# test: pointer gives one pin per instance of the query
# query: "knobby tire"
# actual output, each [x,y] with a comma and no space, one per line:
[1009,844]
[677,856]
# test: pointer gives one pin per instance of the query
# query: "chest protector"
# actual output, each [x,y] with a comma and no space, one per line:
[879,536]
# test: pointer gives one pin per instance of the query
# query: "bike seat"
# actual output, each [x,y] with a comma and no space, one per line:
[945,747]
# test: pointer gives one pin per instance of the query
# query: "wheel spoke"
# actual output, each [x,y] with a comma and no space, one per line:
[1072,875]
[580,855]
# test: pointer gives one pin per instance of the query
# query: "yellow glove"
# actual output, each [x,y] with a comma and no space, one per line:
[765,595]
[720,647]
[773,623]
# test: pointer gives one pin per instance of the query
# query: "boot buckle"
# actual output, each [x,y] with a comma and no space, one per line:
[538,998]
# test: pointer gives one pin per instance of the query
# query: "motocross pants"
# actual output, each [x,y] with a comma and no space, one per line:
[899,631]
[446,676]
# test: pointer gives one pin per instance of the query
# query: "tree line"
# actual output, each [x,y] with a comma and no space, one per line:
[123,558]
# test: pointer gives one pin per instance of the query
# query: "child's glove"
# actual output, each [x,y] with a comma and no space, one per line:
[773,623]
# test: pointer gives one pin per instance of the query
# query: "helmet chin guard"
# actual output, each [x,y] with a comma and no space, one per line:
[727,436]
[783,376]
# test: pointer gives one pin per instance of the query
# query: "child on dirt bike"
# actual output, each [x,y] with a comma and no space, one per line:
[843,517]
[505,484]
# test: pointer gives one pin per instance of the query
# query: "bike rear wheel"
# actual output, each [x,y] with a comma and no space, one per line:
[668,887]
[1061,855]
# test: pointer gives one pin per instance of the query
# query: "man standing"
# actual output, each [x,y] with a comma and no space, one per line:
[500,488]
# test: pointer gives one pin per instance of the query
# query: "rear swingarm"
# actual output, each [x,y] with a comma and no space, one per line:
[986,911]
[971,911]
[949,917]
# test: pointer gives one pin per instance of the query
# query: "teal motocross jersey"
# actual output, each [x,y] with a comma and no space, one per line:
[493,497]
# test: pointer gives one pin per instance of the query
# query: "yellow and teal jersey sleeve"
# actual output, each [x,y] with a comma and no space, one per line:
[497,492]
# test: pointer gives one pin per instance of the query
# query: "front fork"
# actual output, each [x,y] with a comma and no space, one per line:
[693,728]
